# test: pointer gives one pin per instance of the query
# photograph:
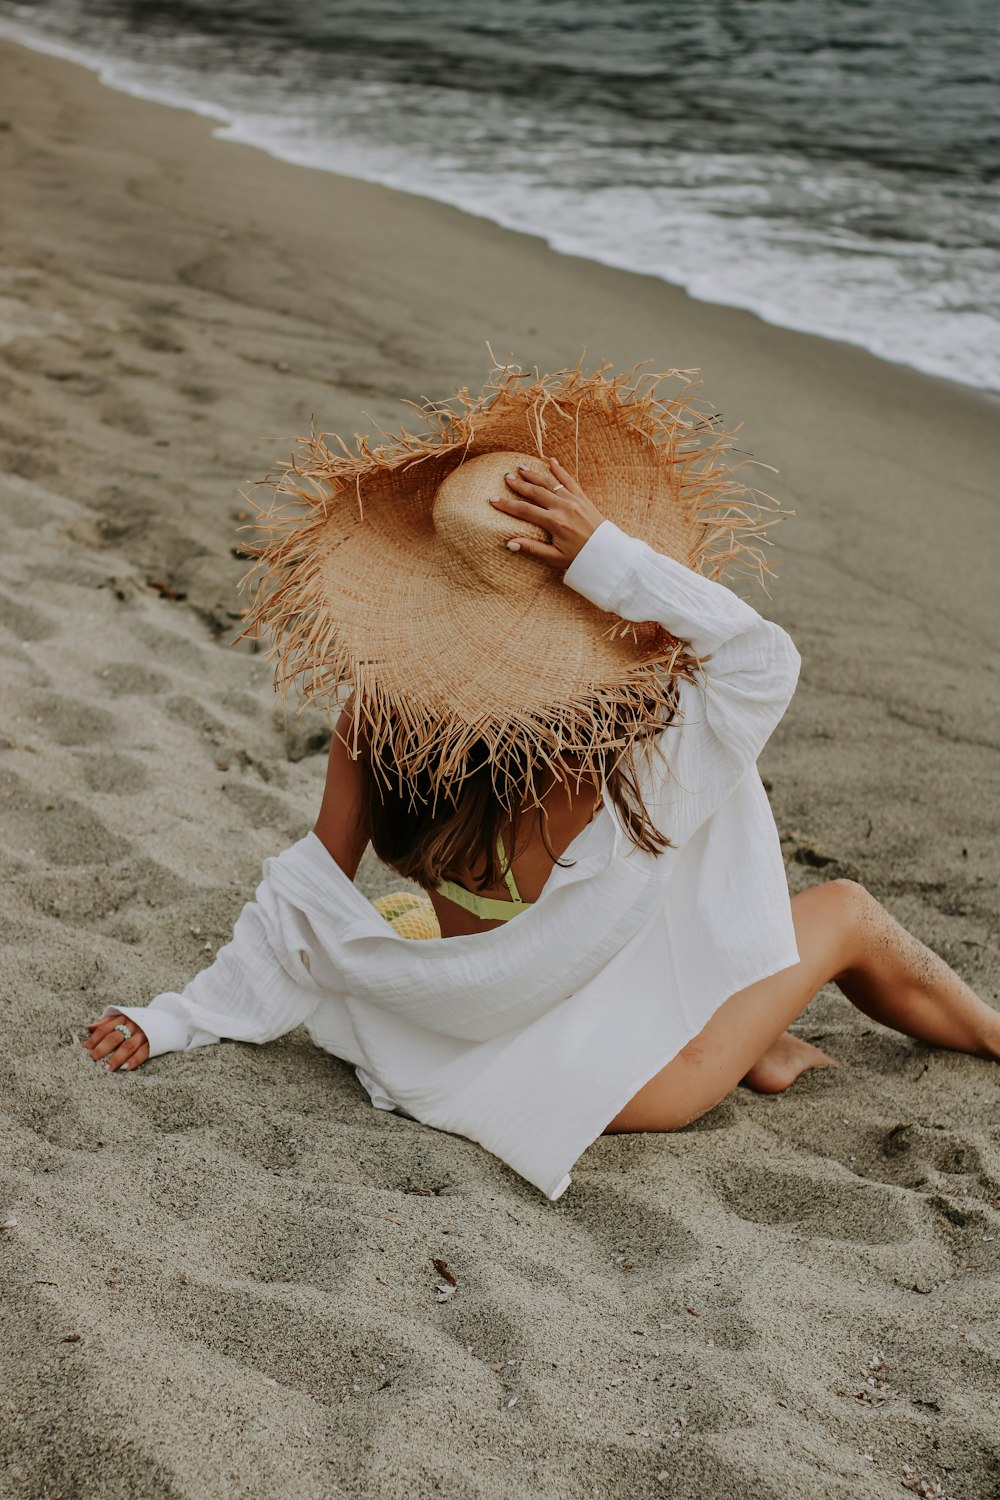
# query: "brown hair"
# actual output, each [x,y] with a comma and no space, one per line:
[428,839]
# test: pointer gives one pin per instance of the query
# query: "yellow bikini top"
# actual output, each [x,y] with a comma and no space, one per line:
[487,908]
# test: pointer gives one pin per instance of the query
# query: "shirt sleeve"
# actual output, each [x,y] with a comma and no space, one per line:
[748,669]
[259,987]
[164,1020]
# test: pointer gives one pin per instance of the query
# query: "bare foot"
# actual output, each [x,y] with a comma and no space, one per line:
[782,1063]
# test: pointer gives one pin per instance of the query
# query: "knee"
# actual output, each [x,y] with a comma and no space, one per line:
[847,901]
[854,913]
[849,896]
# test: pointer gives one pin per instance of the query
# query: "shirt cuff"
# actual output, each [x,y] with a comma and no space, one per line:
[165,1031]
[602,565]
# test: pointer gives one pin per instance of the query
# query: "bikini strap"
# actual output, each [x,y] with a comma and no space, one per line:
[488,908]
[508,876]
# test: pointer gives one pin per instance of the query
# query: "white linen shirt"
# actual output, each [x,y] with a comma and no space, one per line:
[530,1037]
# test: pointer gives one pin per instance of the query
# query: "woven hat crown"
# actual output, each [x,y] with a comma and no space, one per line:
[473,533]
[385,571]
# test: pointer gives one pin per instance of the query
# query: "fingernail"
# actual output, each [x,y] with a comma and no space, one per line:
[509,474]
[494,500]
[513,546]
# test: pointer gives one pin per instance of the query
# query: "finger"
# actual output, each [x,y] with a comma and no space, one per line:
[523,510]
[537,476]
[538,494]
[100,1029]
[103,1046]
[123,1053]
[105,1024]
[138,1057]
[566,477]
[125,1050]
[540,485]
[527,546]
[119,1063]
[107,1045]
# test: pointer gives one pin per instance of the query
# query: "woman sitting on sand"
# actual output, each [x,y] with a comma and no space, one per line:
[553,730]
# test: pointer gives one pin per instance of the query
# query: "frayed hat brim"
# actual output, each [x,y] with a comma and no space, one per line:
[346,589]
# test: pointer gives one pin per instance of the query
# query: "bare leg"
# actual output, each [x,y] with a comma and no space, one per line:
[843,935]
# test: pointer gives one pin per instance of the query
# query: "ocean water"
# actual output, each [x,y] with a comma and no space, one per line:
[832,165]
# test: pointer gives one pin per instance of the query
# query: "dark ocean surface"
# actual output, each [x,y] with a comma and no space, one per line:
[833,165]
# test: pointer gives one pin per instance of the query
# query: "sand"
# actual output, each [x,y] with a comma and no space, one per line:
[217,1271]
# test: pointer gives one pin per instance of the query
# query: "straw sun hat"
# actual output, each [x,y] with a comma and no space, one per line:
[385,570]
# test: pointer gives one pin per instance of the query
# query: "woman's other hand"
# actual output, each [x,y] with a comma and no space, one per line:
[107,1045]
[554,500]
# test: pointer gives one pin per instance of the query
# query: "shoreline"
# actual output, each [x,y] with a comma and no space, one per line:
[219,1268]
[104,72]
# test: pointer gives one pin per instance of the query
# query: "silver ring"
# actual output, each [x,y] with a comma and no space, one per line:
[558,488]
[125,1030]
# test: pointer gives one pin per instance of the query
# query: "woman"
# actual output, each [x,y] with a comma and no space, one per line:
[636,954]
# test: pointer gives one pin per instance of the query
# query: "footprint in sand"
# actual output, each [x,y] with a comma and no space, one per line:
[80,382]
[159,339]
[195,715]
[68,721]
[58,831]
[686,1468]
[202,394]
[24,622]
[908,1153]
[626,1231]
[476,1319]
[118,775]
[241,703]
[262,809]
[170,647]
[814,1204]
[302,1343]
[120,679]
[31,507]
[126,416]
[972,1232]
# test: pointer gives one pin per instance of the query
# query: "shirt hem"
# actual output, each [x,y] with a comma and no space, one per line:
[648,1073]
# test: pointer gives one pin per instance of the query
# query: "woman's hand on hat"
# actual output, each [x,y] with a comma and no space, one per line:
[108,1045]
[553,499]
